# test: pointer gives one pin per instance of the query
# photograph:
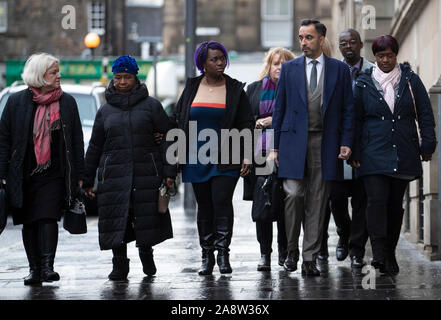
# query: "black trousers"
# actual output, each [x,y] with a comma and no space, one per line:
[215,215]
[384,212]
[264,231]
[355,230]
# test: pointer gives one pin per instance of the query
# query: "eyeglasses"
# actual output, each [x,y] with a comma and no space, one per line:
[345,43]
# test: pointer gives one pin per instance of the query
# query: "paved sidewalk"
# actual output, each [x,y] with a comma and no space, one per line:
[84,268]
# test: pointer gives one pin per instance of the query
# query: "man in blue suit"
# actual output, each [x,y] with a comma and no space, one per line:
[313,124]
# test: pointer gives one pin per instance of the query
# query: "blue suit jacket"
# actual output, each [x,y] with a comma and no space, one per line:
[290,118]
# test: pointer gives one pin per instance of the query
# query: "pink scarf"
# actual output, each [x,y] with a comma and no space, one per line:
[47,118]
[388,81]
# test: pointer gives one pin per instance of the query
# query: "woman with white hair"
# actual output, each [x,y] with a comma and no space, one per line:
[41,161]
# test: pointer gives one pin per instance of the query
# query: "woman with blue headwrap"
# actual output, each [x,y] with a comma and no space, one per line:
[131,168]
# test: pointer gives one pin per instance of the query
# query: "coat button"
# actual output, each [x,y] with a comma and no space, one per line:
[394,146]
[395,170]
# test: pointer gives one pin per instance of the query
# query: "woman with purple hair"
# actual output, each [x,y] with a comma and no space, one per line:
[390,99]
[213,101]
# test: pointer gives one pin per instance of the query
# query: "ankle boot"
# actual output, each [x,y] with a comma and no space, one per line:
[148,264]
[30,242]
[120,268]
[223,261]
[48,240]
[283,253]
[208,262]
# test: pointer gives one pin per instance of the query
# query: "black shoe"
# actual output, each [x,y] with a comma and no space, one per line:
[310,269]
[148,264]
[208,263]
[265,263]
[357,262]
[48,240]
[30,242]
[392,265]
[120,269]
[283,253]
[290,263]
[342,249]
[380,265]
[323,254]
[223,261]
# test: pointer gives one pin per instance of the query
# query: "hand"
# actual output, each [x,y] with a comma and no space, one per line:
[158,137]
[246,168]
[426,157]
[80,183]
[355,164]
[170,182]
[264,123]
[89,193]
[345,153]
[273,156]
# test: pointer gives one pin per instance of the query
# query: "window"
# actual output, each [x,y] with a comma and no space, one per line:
[97,17]
[277,23]
[3,16]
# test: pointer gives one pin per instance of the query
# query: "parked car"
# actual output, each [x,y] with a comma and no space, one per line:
[88,97]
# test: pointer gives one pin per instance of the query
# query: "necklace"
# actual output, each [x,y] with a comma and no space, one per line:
[210,87]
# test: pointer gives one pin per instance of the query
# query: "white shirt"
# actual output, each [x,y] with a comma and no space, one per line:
[320,65]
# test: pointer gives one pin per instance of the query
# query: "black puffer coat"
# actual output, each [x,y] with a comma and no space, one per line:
[131,167]
[14,134]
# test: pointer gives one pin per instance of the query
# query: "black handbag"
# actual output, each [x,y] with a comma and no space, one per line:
[75,218]
[3,208]
[268,198]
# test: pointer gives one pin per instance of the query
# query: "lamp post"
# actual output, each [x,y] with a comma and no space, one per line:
[92,40]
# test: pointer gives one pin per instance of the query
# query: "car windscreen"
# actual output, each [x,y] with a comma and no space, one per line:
[3,102]
[86,107]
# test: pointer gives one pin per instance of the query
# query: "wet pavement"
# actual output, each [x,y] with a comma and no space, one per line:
[84,268]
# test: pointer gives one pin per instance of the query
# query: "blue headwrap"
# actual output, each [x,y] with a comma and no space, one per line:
[125,64]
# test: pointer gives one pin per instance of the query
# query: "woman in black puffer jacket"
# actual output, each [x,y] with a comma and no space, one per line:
[131,168]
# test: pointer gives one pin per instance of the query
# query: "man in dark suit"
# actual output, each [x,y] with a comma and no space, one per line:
[353,233]
[313,124]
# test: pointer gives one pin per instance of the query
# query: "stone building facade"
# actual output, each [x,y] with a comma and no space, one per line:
[242,25]
[36,25]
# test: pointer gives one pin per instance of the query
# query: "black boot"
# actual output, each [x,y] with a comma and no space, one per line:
[48,240]
[30,242]
[224,232]
[148,264]
[223,261]
[208,262]
[120,269]
[265,262]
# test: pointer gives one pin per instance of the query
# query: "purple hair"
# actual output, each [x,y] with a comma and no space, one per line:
[201,53]
[382,43]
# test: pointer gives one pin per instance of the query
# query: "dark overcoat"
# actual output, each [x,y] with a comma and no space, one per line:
[290,118]
[386,142]
[14,134]
[130,167]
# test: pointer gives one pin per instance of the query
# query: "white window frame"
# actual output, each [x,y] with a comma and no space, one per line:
[91,15]
[4,17]
[267,19]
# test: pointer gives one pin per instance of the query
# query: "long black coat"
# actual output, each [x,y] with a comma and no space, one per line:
[387,143]
[131,167]
[14,134]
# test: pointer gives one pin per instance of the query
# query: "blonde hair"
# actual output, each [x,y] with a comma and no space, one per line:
[283,53]
[327,48]
[35,68]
